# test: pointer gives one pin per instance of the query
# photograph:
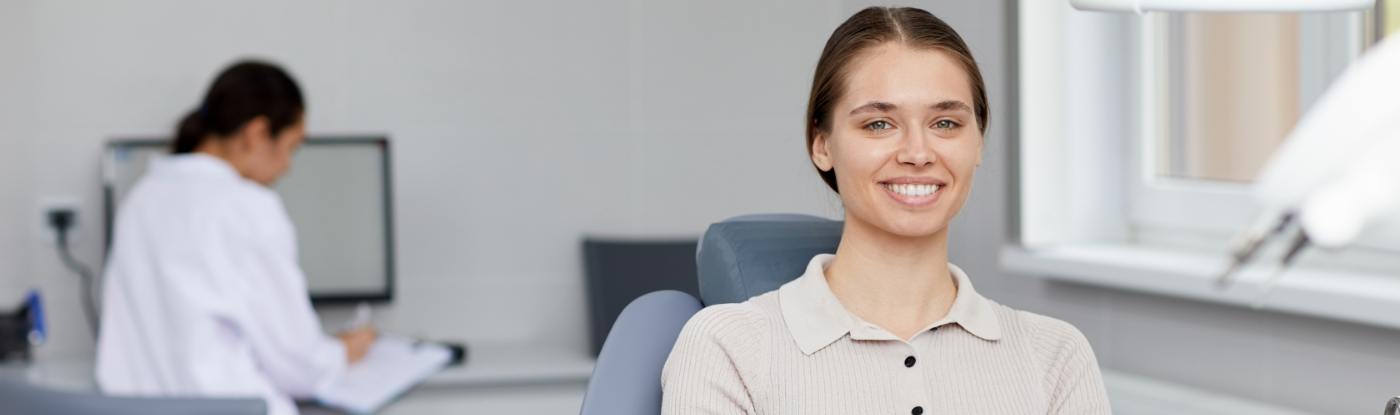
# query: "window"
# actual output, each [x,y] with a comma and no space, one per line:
[1223,91]
[1233,93]
[1139,138]
[1390,16]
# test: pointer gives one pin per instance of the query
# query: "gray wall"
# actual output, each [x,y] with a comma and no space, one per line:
[521,126]
[14,189]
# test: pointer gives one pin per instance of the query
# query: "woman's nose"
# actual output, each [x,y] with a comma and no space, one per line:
[914,150]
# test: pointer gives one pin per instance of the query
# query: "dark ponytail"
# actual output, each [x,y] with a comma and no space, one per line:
[241,93]
[188,134]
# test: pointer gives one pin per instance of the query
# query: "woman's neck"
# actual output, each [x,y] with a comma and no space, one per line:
[216,148]
[900,284]
[223,150]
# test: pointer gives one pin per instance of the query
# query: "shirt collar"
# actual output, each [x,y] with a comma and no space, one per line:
[816,318]
[197,163]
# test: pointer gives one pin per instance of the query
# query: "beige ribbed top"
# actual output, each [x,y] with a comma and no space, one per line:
[796,350]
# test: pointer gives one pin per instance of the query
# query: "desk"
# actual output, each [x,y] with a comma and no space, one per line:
[495,379]
[503,379]
[67,374]
[505,365]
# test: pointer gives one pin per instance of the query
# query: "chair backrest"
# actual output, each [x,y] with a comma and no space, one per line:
[627,378]
[20,397]
[745,256]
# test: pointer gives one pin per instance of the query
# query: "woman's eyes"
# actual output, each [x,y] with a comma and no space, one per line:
[878,125]
[882,125]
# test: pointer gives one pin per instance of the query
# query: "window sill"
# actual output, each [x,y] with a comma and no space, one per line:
[1365,298]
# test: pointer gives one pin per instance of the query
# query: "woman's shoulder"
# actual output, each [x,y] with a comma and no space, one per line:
[734,321]
[1071,374]
[1058,345]
[721,357]
[733,336]
[1044,331]
[254,196]
[739,330]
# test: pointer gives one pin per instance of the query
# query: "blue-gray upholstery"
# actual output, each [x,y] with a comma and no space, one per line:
[626,379]
[736,259]
[750,255]
[19,397]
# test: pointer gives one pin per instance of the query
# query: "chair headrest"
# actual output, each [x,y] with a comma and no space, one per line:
[748,255]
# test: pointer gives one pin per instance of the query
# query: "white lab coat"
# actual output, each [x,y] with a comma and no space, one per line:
[203,296]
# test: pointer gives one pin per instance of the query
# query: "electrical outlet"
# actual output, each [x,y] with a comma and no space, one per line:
[51,206]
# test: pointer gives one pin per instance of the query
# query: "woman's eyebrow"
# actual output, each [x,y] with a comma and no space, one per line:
[874,106]
[951,105]
[880,106]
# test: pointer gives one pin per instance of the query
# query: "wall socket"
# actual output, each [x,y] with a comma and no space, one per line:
[49,205]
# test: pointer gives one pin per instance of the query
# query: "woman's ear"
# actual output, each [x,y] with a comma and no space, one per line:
[821,154]
[981,144]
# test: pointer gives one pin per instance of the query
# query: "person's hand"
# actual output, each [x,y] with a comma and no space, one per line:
[357,342]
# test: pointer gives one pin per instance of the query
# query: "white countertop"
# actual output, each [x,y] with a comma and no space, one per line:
[501,365]
[486,365]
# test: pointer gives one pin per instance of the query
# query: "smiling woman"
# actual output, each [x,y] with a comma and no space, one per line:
[886,324]
[902,131]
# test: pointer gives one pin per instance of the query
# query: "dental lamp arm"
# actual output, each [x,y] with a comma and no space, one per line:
[1334,175]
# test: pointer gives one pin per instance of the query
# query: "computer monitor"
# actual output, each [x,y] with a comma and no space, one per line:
[338,194]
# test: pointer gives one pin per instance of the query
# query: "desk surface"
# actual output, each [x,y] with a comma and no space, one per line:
[498,365]
[486,365]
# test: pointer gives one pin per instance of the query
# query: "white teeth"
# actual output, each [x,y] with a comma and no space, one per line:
[913,190]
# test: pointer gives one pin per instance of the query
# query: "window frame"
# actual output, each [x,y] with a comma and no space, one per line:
[1083,212]
[1160,204]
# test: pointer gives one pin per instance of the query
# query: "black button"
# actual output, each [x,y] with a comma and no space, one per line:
[909,361]
[918,410]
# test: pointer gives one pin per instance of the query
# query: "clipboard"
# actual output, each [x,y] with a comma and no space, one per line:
[392,366]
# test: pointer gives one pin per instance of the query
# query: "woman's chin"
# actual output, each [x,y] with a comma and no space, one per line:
[913,226]
[900,222]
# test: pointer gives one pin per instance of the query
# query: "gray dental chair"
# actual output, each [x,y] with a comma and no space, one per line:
[737,258]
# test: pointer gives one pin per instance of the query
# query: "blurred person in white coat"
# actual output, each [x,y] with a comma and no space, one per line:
[203,295]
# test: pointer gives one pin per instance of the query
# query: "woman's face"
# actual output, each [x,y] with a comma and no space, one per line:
[904,141]
[268,156]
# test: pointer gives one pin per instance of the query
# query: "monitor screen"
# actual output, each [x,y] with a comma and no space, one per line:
[338,196]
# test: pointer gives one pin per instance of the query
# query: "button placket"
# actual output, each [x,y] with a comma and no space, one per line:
[916,383]
[917,362]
